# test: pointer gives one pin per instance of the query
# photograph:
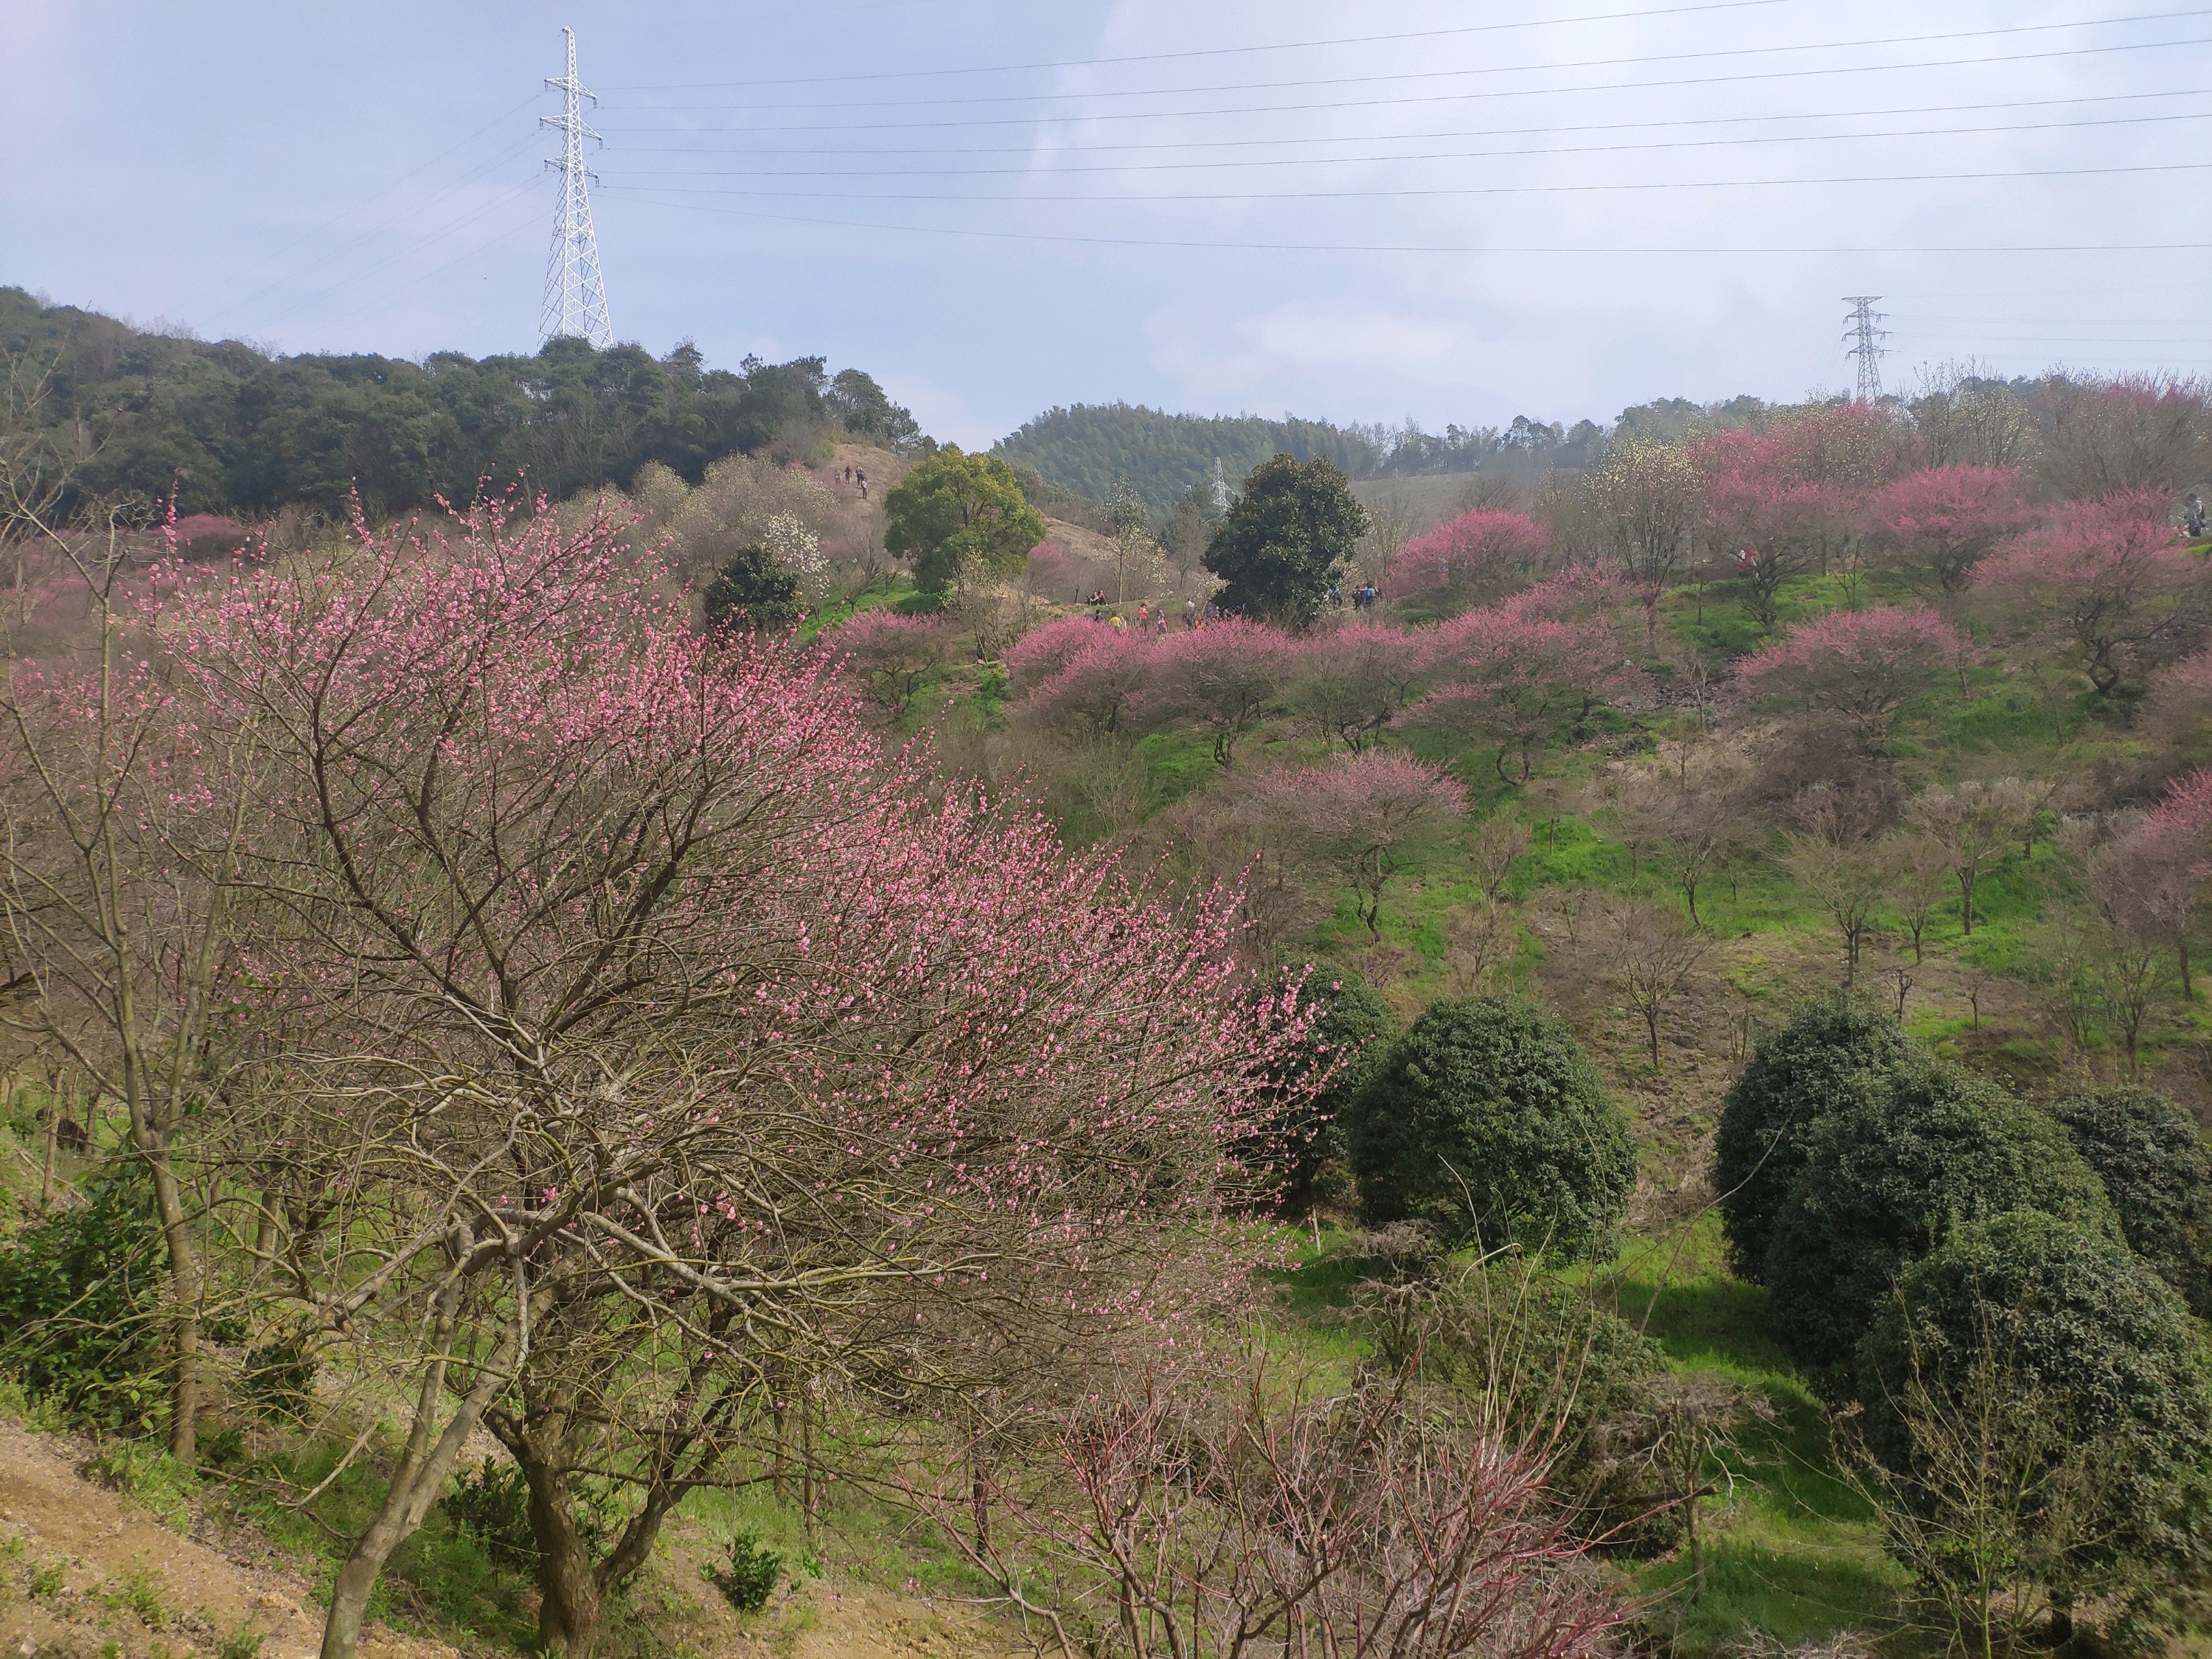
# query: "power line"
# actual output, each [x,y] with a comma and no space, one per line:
[1206,51]
[1487,68]
[1157,145]
[404,249]
[391,294]
[338,218]
[1453,191]
[415,210]
[1096,117]
[1540,151]
[1607,250]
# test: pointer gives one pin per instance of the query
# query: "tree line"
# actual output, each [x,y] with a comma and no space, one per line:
[1963,413]
[226,428]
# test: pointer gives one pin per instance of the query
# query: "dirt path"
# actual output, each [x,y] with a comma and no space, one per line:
[82,1568]
[87,1574]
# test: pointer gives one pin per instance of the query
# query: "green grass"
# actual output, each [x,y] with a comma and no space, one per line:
[1791,1548]
[1792,1551]
[442,1580]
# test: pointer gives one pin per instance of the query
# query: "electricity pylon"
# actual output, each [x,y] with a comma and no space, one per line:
[1861,327]
[575,297]
[1220,488]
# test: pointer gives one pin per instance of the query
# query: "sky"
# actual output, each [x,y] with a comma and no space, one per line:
[1397,209]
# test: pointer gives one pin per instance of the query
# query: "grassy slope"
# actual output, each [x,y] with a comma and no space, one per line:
[1793,1554]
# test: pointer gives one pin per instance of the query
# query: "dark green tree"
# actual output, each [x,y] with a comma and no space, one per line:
[1488,1122]
[864,410]
[81,1305]
[1342,1048]
[2030,1330]
[1885,1178]
[2157,1170]
[1286,539]
[752,591]
[1826,1055]
[953,508]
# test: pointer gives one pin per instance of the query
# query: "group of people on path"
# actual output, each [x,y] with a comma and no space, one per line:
[1155,618]
[1365,596]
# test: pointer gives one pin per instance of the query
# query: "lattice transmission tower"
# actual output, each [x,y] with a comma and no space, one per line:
[575,297]
[1863,328]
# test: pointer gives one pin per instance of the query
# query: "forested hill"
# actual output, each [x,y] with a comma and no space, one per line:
[1088,446]
[235,430]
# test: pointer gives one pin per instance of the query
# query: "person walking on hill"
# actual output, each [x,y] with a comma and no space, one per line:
[861,475]
[1190,613]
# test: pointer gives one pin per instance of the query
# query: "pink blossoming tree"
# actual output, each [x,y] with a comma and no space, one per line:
[1352,683]
[612,987]
[1525,673]
[1863,668]
[1223,678]
[1947,517]
[1360,817]
[1478,555]
[889,658]
[2110,578]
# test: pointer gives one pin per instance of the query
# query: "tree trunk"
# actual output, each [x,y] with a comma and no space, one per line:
[808,1492]
[979,1494]
[568,1588]
[151,1137]
[46,1169]
[420,1480]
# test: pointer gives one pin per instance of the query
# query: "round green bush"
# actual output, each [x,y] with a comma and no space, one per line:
[1488,1122]
[1885,1180]
[1833,1049]
[2158,1171]
[2057,1334]
[1343,1048]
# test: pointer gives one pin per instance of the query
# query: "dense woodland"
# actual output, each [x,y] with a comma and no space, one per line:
[225,428]
[1617,1063]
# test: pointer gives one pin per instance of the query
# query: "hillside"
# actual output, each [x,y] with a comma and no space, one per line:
[87,1569]
[236,431]
[1089,447]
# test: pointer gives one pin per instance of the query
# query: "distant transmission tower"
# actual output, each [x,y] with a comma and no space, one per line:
[575,299]
[1863,328]
[1220,488]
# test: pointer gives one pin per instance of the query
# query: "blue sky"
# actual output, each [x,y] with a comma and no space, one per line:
[1400,208]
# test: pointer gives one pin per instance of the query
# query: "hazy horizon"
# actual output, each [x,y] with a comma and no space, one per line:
[1557,218]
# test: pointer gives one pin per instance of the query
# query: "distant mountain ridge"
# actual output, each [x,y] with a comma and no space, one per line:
[1087,447]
